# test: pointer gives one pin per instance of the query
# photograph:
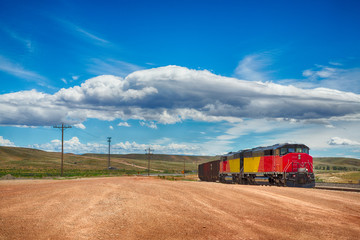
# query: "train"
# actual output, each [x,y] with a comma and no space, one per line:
[280,164]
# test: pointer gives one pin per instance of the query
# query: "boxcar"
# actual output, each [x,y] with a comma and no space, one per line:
[209,171]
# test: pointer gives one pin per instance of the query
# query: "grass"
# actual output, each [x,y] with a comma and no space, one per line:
[337,170]
[53,173]
[339,177]
[192,177]
[337,163]
[33,163]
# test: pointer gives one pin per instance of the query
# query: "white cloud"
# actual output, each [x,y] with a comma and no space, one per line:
[104,90]
[124,124]
[313,134]
[252,67]
[342,141]
[335,77]
[71,146]
[253,126]
[83,33]
[75,146]
[112,67]
[64,80]
[6,142]
[80,125]
[25,41]
[335,63]
[111,127]
[322,72]
[148,124]
[17,70]
[171,94]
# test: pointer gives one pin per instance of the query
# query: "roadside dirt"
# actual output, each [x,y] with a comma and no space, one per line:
[150,208]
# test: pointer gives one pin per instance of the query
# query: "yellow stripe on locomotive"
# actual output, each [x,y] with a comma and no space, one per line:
[234,165]
[251,165]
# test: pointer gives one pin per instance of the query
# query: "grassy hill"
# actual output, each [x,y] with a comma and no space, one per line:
[32,162]
[337,169]
[336,163]
[27,162]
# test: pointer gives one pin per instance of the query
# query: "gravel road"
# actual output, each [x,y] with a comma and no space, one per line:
[150,208]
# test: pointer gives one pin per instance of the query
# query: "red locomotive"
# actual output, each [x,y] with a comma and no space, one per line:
[281,164]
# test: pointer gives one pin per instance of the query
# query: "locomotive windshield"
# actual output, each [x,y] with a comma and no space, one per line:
[289,149]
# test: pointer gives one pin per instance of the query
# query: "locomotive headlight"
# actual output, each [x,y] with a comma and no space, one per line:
[299,156]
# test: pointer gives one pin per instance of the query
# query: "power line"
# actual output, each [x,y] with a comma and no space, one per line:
[86,132]
[62,144]
[148,153]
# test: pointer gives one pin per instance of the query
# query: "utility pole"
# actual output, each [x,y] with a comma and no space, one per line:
[184,167]
[148,153]
[109,141]
[62,144]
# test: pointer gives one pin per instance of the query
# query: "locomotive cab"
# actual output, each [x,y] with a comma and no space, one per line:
[297,165]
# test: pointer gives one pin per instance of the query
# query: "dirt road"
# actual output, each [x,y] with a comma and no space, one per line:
[149,208]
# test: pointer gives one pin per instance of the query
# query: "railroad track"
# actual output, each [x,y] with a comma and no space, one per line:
[327,186]
[338,187]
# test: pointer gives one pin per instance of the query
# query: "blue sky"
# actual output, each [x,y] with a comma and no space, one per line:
[185,77]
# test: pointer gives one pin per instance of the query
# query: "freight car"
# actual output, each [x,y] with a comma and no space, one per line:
[209,171]
[281,164]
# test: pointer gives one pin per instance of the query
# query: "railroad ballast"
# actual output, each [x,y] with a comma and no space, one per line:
[281,164]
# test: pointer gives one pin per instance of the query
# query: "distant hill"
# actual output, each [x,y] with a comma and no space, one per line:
[28,159]
[335,163]
[159,157]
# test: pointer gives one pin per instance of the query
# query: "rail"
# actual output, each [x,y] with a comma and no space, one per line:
[338,187]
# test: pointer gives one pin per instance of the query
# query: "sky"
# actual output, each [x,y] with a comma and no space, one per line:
[181,77]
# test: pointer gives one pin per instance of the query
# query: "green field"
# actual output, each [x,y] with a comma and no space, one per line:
[337,169]
[26,162]
[337,163]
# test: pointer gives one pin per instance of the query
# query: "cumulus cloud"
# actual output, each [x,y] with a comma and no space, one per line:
[6,142]
[79,125]
[171,94]
[104,90]
[124,124]
[74,145]
[342,141]
[148,124]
